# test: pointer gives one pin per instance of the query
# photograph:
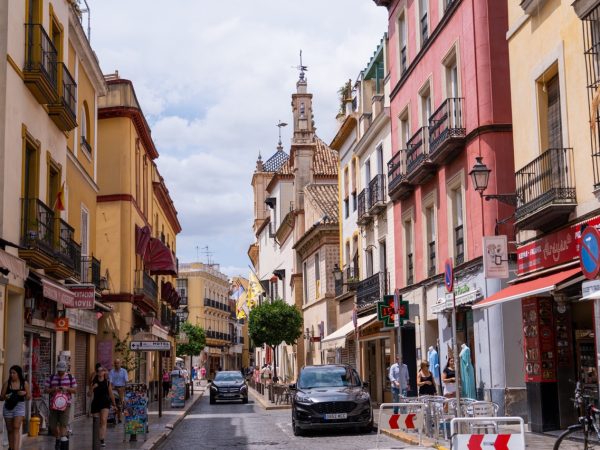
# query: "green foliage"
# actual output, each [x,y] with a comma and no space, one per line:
[129,359]
[275,322]
[196,340]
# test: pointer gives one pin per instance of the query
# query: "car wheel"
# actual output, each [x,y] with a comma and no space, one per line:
[367,428]
[245,400]
[296,429]
[212,400]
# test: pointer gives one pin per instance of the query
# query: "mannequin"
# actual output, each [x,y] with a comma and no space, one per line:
[467,373]
[434,363]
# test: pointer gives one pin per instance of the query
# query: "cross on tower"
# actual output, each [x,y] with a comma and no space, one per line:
[279,125]
[302,68]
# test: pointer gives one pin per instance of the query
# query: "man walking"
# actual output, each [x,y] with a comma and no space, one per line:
[118,378]
[61,386]
[400,380]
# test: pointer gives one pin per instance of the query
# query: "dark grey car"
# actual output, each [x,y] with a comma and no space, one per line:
[228,385]
[330,397]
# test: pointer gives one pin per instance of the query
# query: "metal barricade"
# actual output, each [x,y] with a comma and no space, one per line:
[410,418]
[496,439]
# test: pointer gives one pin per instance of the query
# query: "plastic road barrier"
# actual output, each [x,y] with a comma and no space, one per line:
[409,419]
[491,441]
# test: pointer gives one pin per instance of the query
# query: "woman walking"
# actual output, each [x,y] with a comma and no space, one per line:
[166,382]
[103,398]
[449,379]
[14,393]
[425,380]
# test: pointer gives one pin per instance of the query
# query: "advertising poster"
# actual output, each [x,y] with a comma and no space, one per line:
[135,410]
[177,393]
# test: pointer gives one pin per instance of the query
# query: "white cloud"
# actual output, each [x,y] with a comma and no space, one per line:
[213,79]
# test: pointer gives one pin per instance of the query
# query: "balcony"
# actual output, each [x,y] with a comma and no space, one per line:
[371,290]
[63,110]
[347,283]
[40,71]
[65,259]
[183,301]
[146,289]
[377,201]
[363,215]
[37,239]
[446,131]
[418,166]
[398,185]
[216,305]
[90,271]
[546,190]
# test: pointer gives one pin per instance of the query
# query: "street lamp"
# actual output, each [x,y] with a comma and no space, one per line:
[480,176]
[337,273]
[149,318]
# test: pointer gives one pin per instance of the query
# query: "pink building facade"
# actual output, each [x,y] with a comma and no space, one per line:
[450,103]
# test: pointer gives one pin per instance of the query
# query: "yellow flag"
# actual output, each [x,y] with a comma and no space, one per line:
[241,307]
[254,290]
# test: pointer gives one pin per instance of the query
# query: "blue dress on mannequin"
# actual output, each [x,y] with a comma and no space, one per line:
[434,364]
[467,374]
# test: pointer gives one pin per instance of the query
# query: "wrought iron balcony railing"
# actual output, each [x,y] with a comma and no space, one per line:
[37,225]
[64,249]
[363,214]
[377,201]
[417,149]
[348,282]
[546,192]
[371,290]
[446,130]
[147,287]
[40,71]
[64,111]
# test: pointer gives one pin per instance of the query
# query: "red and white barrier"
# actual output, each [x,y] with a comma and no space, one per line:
[411,418]
[501,441]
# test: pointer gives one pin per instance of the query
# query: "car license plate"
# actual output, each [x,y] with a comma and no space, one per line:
[228,395]
[336,416]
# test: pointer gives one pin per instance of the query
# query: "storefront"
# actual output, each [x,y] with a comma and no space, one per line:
[376,359]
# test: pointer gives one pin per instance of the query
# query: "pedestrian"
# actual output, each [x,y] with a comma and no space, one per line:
[119,378]
[425,380]
[14,393]
[102,399]
[61,386]
[449,379]
[193,373]
[203,373]
[400,380]
[166,382]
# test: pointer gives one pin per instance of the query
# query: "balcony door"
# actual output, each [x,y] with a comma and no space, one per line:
[34,11]
[555,171]
[30,186]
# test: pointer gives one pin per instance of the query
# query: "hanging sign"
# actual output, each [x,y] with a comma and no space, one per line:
[85,294]
[386,312]
[62,324]
[495,256]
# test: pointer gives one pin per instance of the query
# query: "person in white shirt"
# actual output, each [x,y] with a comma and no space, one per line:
[400,380]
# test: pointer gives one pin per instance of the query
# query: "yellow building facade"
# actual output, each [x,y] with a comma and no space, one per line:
[136,231]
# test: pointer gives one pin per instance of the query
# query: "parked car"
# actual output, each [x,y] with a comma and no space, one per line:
[330,397]
[228,385]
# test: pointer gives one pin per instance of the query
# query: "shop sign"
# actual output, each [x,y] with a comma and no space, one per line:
[589,287]
[556,248]
[467,289]
[58,293]
[85,295]
[495,256]
[445,304]
[82,319]
[61,324]
[386,312]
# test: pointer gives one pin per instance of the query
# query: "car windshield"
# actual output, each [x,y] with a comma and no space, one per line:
[315,377]
[229,376]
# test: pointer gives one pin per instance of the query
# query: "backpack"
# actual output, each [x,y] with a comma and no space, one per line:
[60,400]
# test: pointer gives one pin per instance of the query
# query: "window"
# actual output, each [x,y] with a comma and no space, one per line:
[355,257]
[317,276]
[554,127]
[54,180]
[346,193]
[354,201]
[369,262]
[367,172]
[402,44]
[379,152]
[137,173]
[145,186]
[431,237]
[346,207]
[451,70]
[84,231]
[457,225]
[305,282]
[404,130]
[425,96]
[423,6]
[84,129]
[348,257]
[409,251]
[383,257]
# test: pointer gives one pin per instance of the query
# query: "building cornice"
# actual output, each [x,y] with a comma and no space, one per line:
[366,140]
[123,198]
[317,236]
[584,7]
[262,226]
[166,203]
[350,123]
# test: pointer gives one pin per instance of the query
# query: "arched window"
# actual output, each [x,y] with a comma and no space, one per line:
[84,129]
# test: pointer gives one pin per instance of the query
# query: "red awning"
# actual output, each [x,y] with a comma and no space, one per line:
[142,238]
[159,259]
[528,288]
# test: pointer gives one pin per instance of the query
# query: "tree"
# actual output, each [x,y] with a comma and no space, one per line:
[196,341]
[273,323]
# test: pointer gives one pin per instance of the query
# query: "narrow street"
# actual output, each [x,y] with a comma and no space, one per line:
[233,425]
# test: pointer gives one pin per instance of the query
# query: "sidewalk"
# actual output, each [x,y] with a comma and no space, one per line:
[264,401]
[158,429]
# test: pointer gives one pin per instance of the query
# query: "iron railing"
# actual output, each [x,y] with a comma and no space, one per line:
[91,270]
[377,190]
[417,149]
[64,250]
[410,269]
[445,123]
[591,43]
[362,204]
[548,179]
[40,54]
[459,245]
[95,272]
[37,225]
[146,286]
[183,301]
[216,304]
[76,252]
[68,90]
[371,290]
[348,282]
[396,170]
[431,264]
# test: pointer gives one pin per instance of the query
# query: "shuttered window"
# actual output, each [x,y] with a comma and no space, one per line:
[80,372]
[554,118]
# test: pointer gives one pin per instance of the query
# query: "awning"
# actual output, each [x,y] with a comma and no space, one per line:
[159,259]
[142,238]
[58,293]
[17,266]
[338,337]
[528,288]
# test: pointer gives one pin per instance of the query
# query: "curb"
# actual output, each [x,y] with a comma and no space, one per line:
[155,442]
[266,405]
[412,440]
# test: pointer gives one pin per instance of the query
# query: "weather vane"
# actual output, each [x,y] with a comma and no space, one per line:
[302,68]
[279,125]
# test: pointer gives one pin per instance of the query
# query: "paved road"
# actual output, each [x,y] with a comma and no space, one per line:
[237,426]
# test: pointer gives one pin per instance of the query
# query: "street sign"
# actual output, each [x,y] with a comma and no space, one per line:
[589,252]
[147,346]
[410,421]
[449,275]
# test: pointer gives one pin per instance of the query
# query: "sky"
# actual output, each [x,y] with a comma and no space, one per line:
[213,80]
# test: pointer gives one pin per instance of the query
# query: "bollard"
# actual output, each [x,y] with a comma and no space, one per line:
[95,433]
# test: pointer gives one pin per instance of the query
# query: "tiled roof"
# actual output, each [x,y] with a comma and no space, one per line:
[274,163]
[325,161]
[324,198]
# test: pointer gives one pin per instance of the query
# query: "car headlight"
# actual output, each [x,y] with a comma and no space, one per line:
[364,396]
[303,398]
